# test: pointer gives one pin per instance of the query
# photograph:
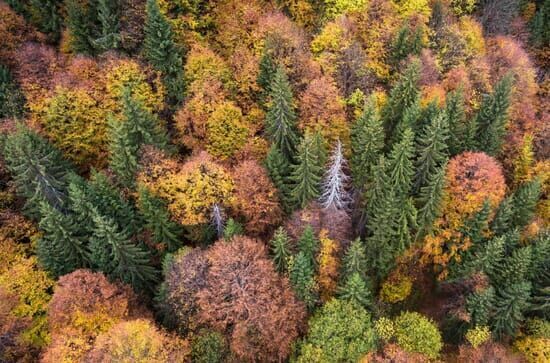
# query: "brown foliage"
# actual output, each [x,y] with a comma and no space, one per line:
[487,353]
[131,23]
[392,353]
[13,31]
[12,349]
[256,198]
[247,299]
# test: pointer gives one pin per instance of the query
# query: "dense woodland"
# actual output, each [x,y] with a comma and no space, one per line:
[274,181]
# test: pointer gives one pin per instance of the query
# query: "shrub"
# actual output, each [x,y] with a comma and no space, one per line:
[416,333]
[478,335]
[396,288]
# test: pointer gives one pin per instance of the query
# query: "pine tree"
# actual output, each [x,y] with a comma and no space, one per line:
[81,22]
[367,141]
[356,290]
[302,279]
[402,96]
[456,117]
[510,304]
[38,170]
[232,228]
[161,51]
[12,101]
[62,248]
[354,261]
[308,244]
[279,171]
[524,202]
[502,222]
[430,199]
[108,16]
[479,306]
[280,247]
[157,220]
[306,174]
[492,117]
[431,150]
[335,184]
[401,169]
[281,118]
[117,256]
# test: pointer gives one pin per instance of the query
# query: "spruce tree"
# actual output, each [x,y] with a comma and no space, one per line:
[356,290]
[279,171]
[38,169]
[430,199]
[476,228]
[367,141]
[113,253]
[157,220]
[540,31]
[406,223]
[81,203]
[411,117]
[306,174]
[12,101]
[354,261]
[335,185]
[302,279]
[123,153]
[280,248]
[510,305]
[108,17]
[479,306]
[502,222]
[308,244]
[281,118]
[524,203]
[62,248]
[401,169]
[81,22]
[492,117]
[232,228]
[431,150]
[426,115]
[267,70]
[407,42]
[456,117]
[320,148]
[515,268]
[162,52]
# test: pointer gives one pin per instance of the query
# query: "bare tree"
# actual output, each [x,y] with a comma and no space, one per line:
[218,220]
[335,185]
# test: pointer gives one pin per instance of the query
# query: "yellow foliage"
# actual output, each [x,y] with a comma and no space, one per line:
[226,131]
[203,64]
[461,7]
[478,335]
[523,164]
[331,38]
[384,328]
[333,8]
[415,7]
[328,265]
[535,350]
[472,33]
[433,92]
[396,288]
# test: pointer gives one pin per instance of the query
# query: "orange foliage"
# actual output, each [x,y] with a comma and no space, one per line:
[488,352]
[13,31]
[392,353]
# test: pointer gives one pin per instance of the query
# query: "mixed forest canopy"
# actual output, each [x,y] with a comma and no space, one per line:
[274,181]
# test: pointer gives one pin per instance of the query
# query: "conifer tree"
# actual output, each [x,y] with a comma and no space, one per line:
[308,244]
[279,171]
[113,253]
[400,168]
[81,203]
[281,118]
[354,261]
[81,22]
[267,70]
[108,16]
[38,169]
[306,174]
[320,148]
[510,305]
[477,227]
[232,228]
[123,159]
[302,279]
[379,189]
[479,306]
[406,43]
[524,202]
[412,116]
[161,51]
[426,115]
[405,219]
[431,151]
[540,32]
[430,199]
[12,101]
[280,247]
[502,221]
[62,248]
[335,185]
[157,220]
[492,117]
[515,268]
[356,290]
[367,141]
[456,117]
[402,96]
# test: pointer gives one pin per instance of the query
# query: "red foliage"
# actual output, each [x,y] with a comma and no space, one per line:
[249,301]
[429,73]
[256,198]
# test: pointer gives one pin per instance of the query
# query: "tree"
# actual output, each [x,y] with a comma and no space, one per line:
[306,174]
[39,170]
[354,261]
[524,202]
[401,168]
[540,34]
[232,229]
[308,244]
[80,20]
[407,42]
[356,290]
[335,184]
[479,306]
[280,248]
[62,249]
[430,200]
[416,333]
[367,141]
[157,220]
[301,276]
[492,117]
[456,118]
[244,295]
[279,171]
[510,304]
[341,331]
[161,51]
[12,101]
[226,131]
[329,264]
[267,71]
[432,150]
[108,14]
[123,153]
[209,347]
[281,118]
[502,222]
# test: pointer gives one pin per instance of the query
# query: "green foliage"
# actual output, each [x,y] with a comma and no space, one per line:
[492,117]
[524,202]
[430,200]
[108,14]
[407,42]
[280,247]
[301,277]
[456,117]
[385,328]
[12,101]
[356,290]
[479,305]
[278,169]
[510,304]
[209,347]
[476,227]
[43,14]
[307,173]
[280,118]
[540,31]
[478,335]
[232,228]
[341,331]
[354,261]
[400,167]
[162,52]
[416,333]
[502,222]
[81,19]
[308,244]
[267,71]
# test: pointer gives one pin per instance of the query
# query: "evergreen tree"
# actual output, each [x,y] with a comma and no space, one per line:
[411,117]
[492,117]
[515,268]
[524,202]
[354,261]
[62,248]
[540,31]
[280,247]
[281,118]
[404,94]
[367,141]
[429,200]
[12,101]
[356,290]
[308,244]
[431,150]
[267,70]
[477,227]
[161,51]
[81,22]
[510,304]
[426,115]
[232,228]
[157,220]
[502,222]
[456,117]
[405,218]
[108,16]
[306,175]
[117,256]
[479,306]
[279,171]
[406,43]
[320,148]
[81,203]
[123,159]
[379,189]
[302,279]
[335,184]
[401,170]
[38,169]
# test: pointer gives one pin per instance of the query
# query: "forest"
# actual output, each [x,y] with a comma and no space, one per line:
[302,181]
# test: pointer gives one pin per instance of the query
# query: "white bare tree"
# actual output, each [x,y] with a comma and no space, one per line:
[335,184]
[218,219]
